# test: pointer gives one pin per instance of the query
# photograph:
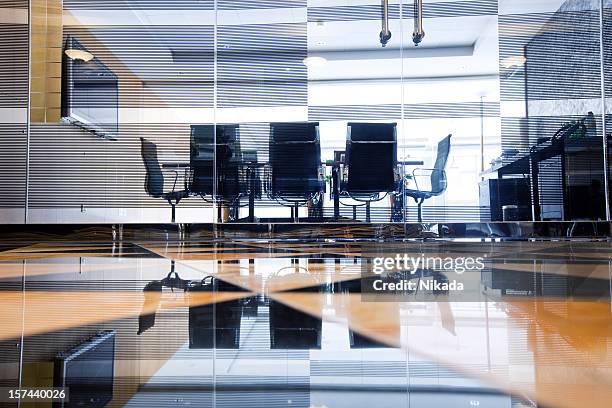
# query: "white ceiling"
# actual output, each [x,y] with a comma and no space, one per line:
[452,47]
[460,46]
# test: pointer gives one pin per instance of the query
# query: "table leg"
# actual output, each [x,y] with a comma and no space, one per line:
[336,191]
[535,192]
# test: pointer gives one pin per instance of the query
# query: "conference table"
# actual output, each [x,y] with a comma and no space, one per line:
[335,179]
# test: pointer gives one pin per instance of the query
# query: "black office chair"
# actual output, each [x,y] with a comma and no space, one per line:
[370,166]
[437,177]
[217,146]
[250,176]
[250,166]
[154,182]
[296,174]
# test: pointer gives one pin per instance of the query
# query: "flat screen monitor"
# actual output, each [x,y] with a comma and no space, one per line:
[90,93]
[88,372]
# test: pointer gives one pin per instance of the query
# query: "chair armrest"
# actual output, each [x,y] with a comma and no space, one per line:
[420,172]
[175,170]
[267,181]
[423,169]
[397,177]
[323,177]
[343,173]
[175,179]
[188,178]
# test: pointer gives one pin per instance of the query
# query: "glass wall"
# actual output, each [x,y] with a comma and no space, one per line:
[177,106]
[13,109]
[606,30]
[551,82]
[14,37]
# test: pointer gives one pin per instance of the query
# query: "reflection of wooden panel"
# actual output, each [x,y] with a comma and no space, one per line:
[46,55]
[37,375]
[137,358]
[150,351]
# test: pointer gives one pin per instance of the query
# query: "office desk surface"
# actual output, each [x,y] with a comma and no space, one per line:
[517,166]
[520,164]
[568,149]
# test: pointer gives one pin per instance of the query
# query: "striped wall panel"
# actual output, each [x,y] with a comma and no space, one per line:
[151,52]
[13,105]
[355,112]
[451,110]
[430,10]
[222,399]
[158,66]
[361,12]
[140,4]
[72,168]
[12,165]
[258,65]
[13,66]
[411,111]
[14,40]
[20,4]
[394,368]
[261,65]
[259,4]
[562,57]
[607,47]
[559,74]
[515,31]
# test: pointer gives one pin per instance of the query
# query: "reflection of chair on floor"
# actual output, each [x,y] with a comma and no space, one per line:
[154,182]
[358,341]
[292,329]
[296,173]
[370,163]
[216,325]
[152,296]
[437,178]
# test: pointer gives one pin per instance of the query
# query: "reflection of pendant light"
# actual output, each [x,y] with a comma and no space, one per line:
[513,61]
[385,33]
[78,55]
[418,34]
[314,62]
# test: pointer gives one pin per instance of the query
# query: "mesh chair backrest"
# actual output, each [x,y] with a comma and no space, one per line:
[438,179]
[295,158]
[154,181]
[204,145]
[371,155]
[229,157]
[250,157]
[202,159]
[208,151]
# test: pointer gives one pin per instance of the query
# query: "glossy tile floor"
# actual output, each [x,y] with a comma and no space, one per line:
[263,324]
